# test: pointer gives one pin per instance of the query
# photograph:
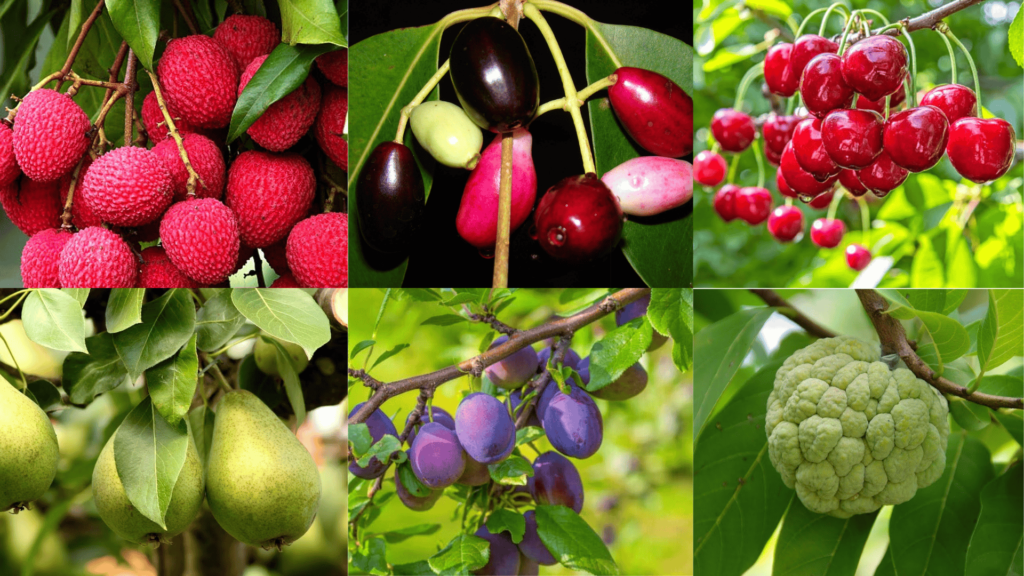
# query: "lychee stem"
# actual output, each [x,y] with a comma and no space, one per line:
[172,131]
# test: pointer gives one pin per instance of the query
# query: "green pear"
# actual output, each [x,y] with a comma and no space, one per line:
[262,485]
[266,356]
[124,519]
[28,449]
[22,531]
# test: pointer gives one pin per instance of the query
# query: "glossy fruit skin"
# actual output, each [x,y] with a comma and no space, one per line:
[709,168]
[852,138]
[390,197]
[776,70]
[810,150]
[556,481]
[848,179]
[725,202]
[447,133]
[827,233]
[786,223]
[733,130]
[494,76]
[753,204]
[821,201]
[875,66]
[822,87]
[578,219]
[773,158]
[778,131]
[800,180]
[857,257]
[896,99]
[654,110]
[477,219]
[650,185]
[916,139]
[806,48]
[882,176]
[783,186]
[955,100]
[981,150]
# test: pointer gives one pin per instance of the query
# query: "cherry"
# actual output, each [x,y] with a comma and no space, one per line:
[981,150]
[778,131]
[853,138]
[801,181]
[786,222]
[879,105]
[753,204]
[882,176]
[955,100]
[857,257]
[578,219]
[725,202]
[875,66]
[822,86]
[776,70]
[805,48]
[916,139]
[733,130]
[848,179]
[774,158]
[784,188]
[390,197]
[827,233]
[709,168]
[821,201]
[654,110]
[810,152]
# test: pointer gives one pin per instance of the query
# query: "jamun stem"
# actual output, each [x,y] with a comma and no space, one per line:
[403,120]
[580,18]
[582,95]
[500,279]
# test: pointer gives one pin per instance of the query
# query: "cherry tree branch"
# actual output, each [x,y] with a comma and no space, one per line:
[926,20]
[894,341]
[772,298]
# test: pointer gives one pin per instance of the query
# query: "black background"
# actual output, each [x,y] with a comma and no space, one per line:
[443,258]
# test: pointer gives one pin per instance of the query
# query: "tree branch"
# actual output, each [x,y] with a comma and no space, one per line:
[771,298]
[926,20]
[894,340]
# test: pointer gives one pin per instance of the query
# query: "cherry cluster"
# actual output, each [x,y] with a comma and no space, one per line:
[851,132]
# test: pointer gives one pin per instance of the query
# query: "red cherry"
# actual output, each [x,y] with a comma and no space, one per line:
[786,222]
[857,257]
[981,150]
[875,66]
[882,176]
[805,48]
[732,129]
[709,168]
[916,139]
[725,202]
[784,188]
[753,204]
[654,110]
[800,180]
[955,100]
[778,131]
[879,105]
[776,70]
[848,179]
[773,158]
[821,201]
[827,233]
[852,138]
[578,219]
[822,86]
[810,152]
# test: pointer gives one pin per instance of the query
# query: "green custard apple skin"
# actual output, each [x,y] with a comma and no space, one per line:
[28,449]
[851,435]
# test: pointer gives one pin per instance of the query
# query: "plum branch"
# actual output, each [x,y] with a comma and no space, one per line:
[894,341]
[772,298]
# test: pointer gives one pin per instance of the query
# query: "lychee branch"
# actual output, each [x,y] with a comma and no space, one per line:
[66,69]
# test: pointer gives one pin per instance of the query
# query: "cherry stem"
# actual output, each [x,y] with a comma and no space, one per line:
[403,120]
[748,79]
[833,206]
[800,30]
[888,100]
[865,221]
[912,96]
[715,148]
[828,12]
[789,201]
[876,13]
[733,167]
[850,24]
[760,163]
[952,55]
[944,28]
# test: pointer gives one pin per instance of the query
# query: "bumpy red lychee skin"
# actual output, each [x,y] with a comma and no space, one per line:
[330,125]
[206,159]
[157,271]
[50,134]
[32,206]
[201,239]
[246,37]
[128,186]
[286,281]
[9,170]
[275,255]
[284,122]
[97,258]
[199,80]
[334,65]
[152,118]
[82,215]
[269,193]
[40,258]
[318,251]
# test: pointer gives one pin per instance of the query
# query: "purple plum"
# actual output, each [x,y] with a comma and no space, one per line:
[379,426]
[438,415]
[532,546]
[556,481]
[412,501]
[504,560]
[514,370]
[437,458]
[573,423]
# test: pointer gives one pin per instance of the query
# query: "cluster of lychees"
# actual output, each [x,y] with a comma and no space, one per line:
[261,198]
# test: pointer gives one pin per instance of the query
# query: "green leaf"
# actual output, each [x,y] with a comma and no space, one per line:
[46,395]
[572,541]
[403,534]
[420,568]
[527,433]
[617,351]
[79,294]
[997,544]
[359,436]
[1013,421]
[15,70]
[464,553]
[167,324]
[507,521]
[86,376]
[138,22]
[938,301]
[1001,335]
[671,314]
[1015,38]
[289,315]
[411,483]
[217,322]
[814,544]
[310,22]
[443,320]
[360,347]
[370,558]
[382,450]
[290,376]
[54,319]
[389,354]
[926,271]
[124,308]
[172,383]
[511,471]
[968,415]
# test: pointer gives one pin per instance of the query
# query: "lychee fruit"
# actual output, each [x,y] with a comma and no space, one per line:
[9,170]
[330,125]
[275,256]
[334,65]
[97,258]
[157,271]
[201,239]
[284,122]
[206,160]
[128,186]
[246,37]
[318,251]
[286,281]
[32,206]
[40,258]
[82,215]
[200,80]
[50,134]
[153,118]
[269,193]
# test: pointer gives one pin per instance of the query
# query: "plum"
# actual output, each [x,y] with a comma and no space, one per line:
[514,370]
[446,132]
[636,309]
[528,567]
[556,481]
[438,415]
[573,423]
[413,502]
[437,458]
[379,425]
[549,392]
[650,185]
[504,560]
[532,546]
[629,384]
[476,474]
[572,359]
[485,428]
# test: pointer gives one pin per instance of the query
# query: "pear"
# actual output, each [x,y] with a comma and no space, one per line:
[266,356]
[124,519]
[261,484]
[28,450]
